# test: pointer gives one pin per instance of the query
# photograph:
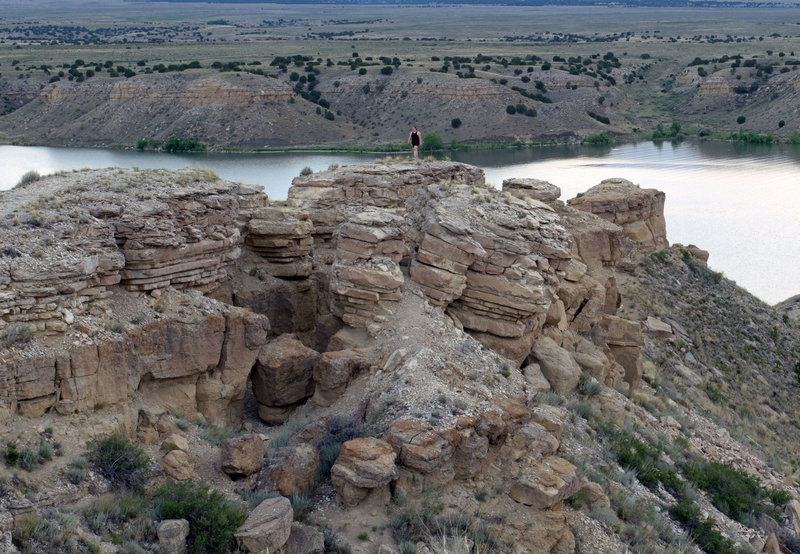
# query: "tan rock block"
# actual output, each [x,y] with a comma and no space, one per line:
[178,465]
[546,484]
[267,527]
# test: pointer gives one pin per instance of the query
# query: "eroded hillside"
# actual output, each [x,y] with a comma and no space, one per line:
[399,358]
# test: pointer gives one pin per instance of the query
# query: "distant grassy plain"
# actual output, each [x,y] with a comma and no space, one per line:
[53,34]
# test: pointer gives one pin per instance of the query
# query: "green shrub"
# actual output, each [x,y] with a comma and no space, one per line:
[306,171]
[431,141]
[511,109]
[75,475]
[28,178]
[212,519]
[215,435]
[116,459]
[17,333]
[387,70]
[455,123]
[45,450]
[12,456]
[702,531]
[185,144]
[600,138]
[734,492]
[28,459]
[49,532]
[301,505]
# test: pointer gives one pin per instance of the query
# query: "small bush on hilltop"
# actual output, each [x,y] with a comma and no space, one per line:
[29,177]
[212,519]
[122,463]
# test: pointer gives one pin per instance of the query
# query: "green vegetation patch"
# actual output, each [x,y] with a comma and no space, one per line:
[119,461]
[212,519]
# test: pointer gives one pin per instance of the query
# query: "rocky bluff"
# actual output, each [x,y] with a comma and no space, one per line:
[387,291]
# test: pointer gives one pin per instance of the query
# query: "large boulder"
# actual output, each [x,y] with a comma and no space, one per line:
[420,448]
[282,239]
[557,365]
[296,470]
[242,456]
[283,373]
[267,527]
[172,535]
[332,372]
[537,189]
[363,464]
[178,465]
[544,485]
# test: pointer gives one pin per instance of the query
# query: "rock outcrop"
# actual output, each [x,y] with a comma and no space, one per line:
[640,212]
[366,276]
[331,197]
[492,261]
[282,237]
[198,364]
[363,465]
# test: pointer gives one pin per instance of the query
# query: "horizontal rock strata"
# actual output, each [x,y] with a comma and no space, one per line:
[640,212]
[331,197]
[283,238]
[366,276]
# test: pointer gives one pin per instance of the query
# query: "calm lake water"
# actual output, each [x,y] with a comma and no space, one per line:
[739,202]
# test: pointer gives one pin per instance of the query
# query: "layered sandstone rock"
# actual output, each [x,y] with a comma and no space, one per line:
[282,237]
[532,188]
[640,212]
[182,238]
[366,276]
[364,464]
[198,92]
[181,232]
[491,260]
[331,197]
[198,364]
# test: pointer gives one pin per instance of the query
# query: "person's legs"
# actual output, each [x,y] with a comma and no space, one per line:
[415,151]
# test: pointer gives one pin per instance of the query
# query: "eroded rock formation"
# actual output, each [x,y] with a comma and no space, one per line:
[435,288]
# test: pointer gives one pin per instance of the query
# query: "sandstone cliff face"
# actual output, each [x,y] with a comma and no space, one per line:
[331,197]
[201,92]
[439,287]
[216,109]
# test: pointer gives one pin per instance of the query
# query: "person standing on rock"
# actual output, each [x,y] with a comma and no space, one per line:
[413,138]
